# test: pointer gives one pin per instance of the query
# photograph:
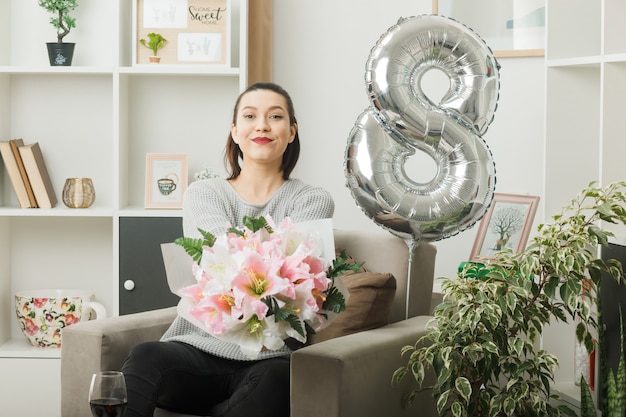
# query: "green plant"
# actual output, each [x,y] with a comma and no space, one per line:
[155,42]
[481,343]
[62,21]
[613,385]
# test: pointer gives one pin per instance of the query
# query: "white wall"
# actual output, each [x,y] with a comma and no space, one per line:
[320,50]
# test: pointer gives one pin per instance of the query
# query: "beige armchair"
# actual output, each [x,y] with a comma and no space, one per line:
[347,376]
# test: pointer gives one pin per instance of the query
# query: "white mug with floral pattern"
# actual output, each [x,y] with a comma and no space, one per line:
[43,314]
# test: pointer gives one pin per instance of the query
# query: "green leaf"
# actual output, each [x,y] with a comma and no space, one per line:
[236,231]
[444,376]
[589,342]
[491,347]
[511,383]
[495,405]
[599,234]
[295,324]
[255,224]
[511,301]
[464,388]
[272,305]
[581,330]
[285,313]
[418,371]
[442,401]
[399,374]
[341,265]
[551,286]
[615,405]
[612,395]
[509,406]
[407,399]
[516,345]
[209,239]
[193,247]
[335,301]
[457,409]
[569,291]
[405,349]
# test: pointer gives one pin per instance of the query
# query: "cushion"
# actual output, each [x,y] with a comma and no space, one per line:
[368,307]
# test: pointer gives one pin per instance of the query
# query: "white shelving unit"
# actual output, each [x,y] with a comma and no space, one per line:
[586,86]
[98,119]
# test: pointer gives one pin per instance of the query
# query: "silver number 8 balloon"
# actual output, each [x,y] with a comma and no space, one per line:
[402,120]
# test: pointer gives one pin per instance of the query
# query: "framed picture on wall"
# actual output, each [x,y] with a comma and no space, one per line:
[511,28]
[197,31]
[506,224]
[166,180]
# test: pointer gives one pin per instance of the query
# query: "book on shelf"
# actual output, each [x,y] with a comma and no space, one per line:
[15,144]
[14,174]
[38,175]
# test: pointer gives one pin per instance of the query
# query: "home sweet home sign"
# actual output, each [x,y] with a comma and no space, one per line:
[197,31]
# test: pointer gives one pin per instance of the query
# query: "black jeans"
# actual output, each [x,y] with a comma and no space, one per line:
[179,377]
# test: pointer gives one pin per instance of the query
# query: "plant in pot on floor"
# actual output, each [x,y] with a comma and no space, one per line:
[482,341]
[154,43]
[612,381]
[59,52]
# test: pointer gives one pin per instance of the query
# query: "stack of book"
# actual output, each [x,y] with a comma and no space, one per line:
[28,173]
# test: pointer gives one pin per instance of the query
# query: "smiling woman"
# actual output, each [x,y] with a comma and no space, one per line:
[263,130]
[265,96]
[177,372]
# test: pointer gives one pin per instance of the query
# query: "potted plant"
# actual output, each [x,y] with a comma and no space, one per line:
[613,381]
[59,52]
[482,341]
[154,43]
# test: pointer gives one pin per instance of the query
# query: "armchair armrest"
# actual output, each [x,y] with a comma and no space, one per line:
[351,375]
[102,344]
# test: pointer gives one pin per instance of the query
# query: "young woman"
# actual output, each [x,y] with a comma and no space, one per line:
[189,370]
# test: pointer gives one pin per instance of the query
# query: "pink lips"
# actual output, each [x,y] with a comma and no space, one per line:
[261,140]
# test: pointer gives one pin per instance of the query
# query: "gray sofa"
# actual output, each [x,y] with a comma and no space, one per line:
[347,376]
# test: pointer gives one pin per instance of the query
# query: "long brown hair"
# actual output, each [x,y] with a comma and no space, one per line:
[232,152]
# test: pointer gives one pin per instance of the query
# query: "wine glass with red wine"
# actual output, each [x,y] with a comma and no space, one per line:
[107,394]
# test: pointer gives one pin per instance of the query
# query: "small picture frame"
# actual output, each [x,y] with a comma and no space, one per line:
[506,224]
[166,180]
